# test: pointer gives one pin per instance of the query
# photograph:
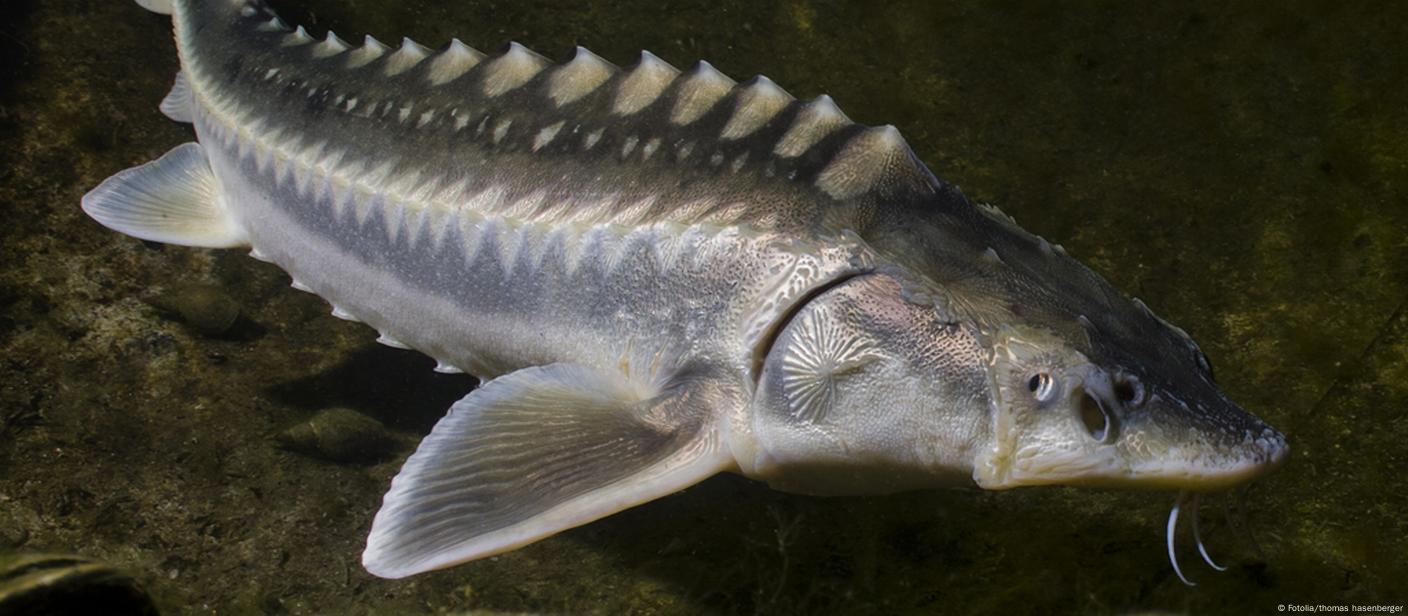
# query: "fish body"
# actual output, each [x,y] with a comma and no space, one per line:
[660,274]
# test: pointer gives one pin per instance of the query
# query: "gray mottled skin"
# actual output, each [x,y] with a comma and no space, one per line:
[830,317]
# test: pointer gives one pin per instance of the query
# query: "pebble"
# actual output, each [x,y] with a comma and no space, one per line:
[340,435]
[205,308]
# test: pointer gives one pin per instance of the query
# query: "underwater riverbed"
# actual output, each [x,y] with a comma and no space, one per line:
[1242,169]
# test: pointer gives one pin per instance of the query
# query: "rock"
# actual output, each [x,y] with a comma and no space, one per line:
[13,536]
[340,435]
[15,522]
[205,308]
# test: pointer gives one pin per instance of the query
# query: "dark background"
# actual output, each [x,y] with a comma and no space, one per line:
[1242,167]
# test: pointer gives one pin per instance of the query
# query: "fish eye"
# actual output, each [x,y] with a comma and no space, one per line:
[1042,386]
[1129,390]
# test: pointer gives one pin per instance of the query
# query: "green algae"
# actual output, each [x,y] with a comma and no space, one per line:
[1240,167]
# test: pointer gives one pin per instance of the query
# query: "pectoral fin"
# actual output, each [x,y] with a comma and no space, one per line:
[534,453]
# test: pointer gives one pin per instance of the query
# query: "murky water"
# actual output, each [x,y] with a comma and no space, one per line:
[1243,169]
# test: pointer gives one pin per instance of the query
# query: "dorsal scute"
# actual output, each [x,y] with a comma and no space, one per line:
[702,88]
[578,77]
[643,84]
[299,36]
[453,62]
[331,46]
[273,24]
[410,54]
[873,161]
[370,50]
[648,112]
[814,121]
[758,101]
[513,68]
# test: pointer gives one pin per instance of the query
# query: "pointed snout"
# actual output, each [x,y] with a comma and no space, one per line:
[1200,446]
[1157,443]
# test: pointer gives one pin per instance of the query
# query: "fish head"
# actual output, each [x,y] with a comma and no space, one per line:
[1088,386]
[993,359]
[874,387]
[1082,409]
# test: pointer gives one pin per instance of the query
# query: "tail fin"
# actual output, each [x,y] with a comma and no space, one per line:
[157,6]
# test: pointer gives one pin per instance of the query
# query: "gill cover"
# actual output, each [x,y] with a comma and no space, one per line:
[866,390]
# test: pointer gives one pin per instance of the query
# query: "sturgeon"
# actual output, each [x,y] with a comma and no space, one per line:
[659,275]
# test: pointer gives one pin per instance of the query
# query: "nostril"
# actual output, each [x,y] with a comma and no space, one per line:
[1129,391]
[1095,419]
